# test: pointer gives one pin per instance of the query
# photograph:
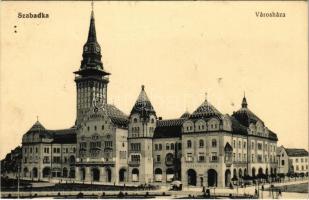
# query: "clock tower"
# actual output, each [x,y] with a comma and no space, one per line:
[91,79]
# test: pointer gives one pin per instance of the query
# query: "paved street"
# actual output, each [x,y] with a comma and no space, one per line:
[185,193]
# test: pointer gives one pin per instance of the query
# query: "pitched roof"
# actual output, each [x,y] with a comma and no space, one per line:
[205,110]
[37,126]
[170,128]
[272,135]
[117,116]
[296,152]
[143,105]
[185,115]
[64,136]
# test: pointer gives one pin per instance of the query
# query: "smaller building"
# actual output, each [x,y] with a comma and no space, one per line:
[11,163]
[48,153]
[292,160]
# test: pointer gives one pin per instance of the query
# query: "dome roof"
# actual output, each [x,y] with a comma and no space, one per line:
[246,116]
[205,110]
[185,115]
[143,105]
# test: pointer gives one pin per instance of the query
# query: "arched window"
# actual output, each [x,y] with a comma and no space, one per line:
[201,143]
[134,120]
[214,143]
[152,120]
[189,144]
[172,146]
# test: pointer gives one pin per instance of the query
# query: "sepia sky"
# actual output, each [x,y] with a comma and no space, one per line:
[178,50]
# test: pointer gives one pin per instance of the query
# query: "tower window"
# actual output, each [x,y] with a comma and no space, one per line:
[189,144]
[102,127]
[95,128]
[201,143]
[88,128]
[134,120]
[214,143]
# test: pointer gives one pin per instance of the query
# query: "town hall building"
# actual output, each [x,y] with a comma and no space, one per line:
[105,145]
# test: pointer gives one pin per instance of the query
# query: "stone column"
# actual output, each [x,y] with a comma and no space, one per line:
[102,174]
[88,176]
[77,174]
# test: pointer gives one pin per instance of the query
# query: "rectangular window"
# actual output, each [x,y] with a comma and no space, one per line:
[56,159]
[214,156]
[245,144]
[259,158]
[259,146]
[158,158]
[108,144]
[189,157]
[135,158]
[82,145]
[201,157]
[135,146]
[46,159]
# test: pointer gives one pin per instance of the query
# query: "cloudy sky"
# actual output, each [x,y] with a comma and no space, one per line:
[178,50]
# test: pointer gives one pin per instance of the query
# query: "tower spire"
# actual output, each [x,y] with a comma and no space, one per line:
[92,36]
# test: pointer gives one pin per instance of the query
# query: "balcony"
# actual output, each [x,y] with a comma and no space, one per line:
[134,163]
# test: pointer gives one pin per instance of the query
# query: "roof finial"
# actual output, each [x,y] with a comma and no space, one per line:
[91,8]
[37,118]
[143,87]
[244,94]
[206,96]
[244,103]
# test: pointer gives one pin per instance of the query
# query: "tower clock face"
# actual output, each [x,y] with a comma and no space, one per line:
[97,49]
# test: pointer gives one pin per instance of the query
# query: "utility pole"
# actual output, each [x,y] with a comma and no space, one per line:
[18,179]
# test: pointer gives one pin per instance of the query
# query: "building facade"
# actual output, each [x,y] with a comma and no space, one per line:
[48,153]
[292,161]
[204,148]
